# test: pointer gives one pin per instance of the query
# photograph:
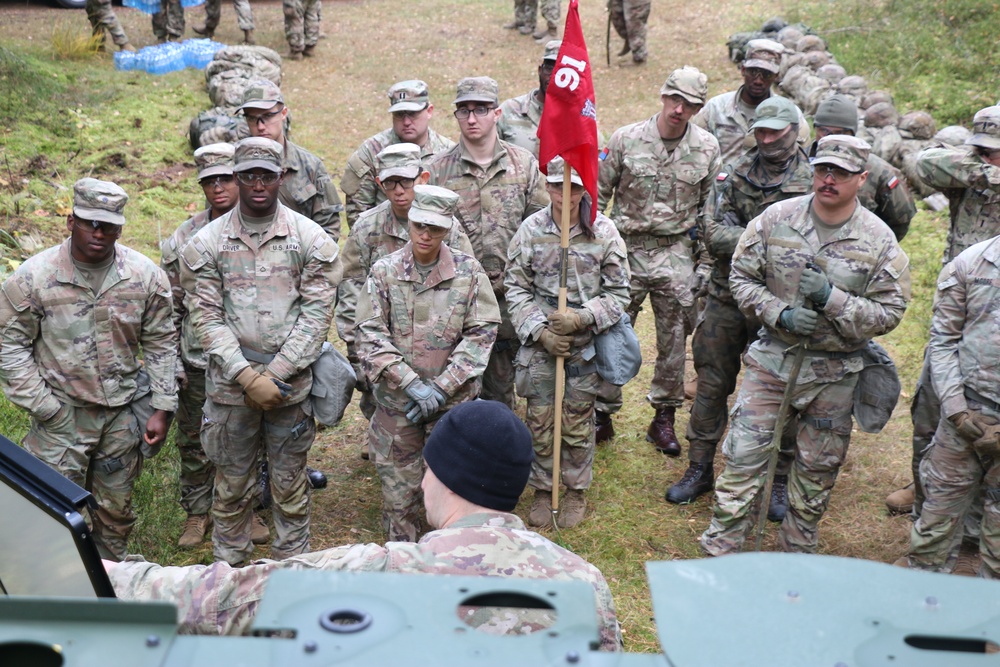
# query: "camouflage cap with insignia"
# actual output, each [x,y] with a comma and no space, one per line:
[399,160]
[844,151]
[986,128]
[261,94]
[214,160]
[764,54]
[409,96]
[99,200]
[557,169]
[775,113]
[552,49]
[433,205]
[478,89]
[689,83]
[257,153]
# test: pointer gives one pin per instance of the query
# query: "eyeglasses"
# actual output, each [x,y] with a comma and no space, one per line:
[264,118]
[432,231]
[107,228]
[216,181]
[757,73]
[674,100]
[406,115]
[405,183]
[988,153]
[465,112]
[839,175]
[246,178]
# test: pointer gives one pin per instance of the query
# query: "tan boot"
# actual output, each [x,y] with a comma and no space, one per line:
[295,55]
[126,47]
[309,51]
[202,30]
[540,515]
[513,25]
[248,37]
[195,529]
[901,500]
[571,509]
[526,29]
[969,559]
[259,532]
[545,34]
[902,561]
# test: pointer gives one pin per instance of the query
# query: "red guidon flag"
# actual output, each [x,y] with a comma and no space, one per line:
[569,119]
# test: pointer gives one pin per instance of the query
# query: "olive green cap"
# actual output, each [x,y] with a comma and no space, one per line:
[433,205]
[99,200]
[689,83]
[986,128]
[478,89]
[844,151]
[409,96]
[261,94]
[837,111]
[257,152]
[214,160]
[775,113]
[399,160]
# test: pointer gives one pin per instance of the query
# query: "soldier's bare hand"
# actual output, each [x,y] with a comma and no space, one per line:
[182,380]
[156,428]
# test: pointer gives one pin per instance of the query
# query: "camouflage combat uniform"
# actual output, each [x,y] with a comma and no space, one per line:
[519,121]
[63,346]
[657,198]
[725,121]
[629,17]
[376,234]
[217,599]
[260,302]
[598,281]
[973,190]
[526,12]
[871,286]
[168,23]
[360,189]
[213,12]
[302,19]
[102,17]
[197,472]
[308,189]
[963,357]
[494,201]
[441,327]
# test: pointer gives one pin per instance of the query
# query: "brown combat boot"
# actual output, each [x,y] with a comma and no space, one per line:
[295,55]
[604,429]
[513,25]
[540,515]
[259,532]
[202,30]
[969,559]
[195,529]
[901,500]
[661,432]
[526,29]
[309,51]
[571,509]
[548,32]
[248,37]
[126,47]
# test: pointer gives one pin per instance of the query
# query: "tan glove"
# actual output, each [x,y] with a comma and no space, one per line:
[571,321]
[555,344]
[982,430]
[263,392]
[966,425]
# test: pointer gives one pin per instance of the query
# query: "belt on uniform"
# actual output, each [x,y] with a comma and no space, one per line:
[576,370]
[256,357]
[982,400]
[822,354]
[653,241]
[555,303]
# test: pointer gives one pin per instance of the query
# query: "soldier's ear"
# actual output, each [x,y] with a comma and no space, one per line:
[423,178]
[70,222]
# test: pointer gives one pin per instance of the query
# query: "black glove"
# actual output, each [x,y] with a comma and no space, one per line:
[801,321]
[815,285]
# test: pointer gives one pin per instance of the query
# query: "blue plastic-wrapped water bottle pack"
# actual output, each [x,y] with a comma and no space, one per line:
[169,57]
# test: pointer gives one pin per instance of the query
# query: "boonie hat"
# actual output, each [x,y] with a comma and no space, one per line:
[689,83]
[433,205]
[399,160]
[844,151]
[552,49]
[214,160]
[409,96]
[103,201]
[261,94]
[478,89]
[764,54]
[257,152]
[557,169]
[986,128]
[775,113]
[837,111]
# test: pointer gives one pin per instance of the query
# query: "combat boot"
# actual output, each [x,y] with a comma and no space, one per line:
[969,559]
[699,478]
[513,25]
[309,51]
[126,47]
[778,506]
[317,480]
[526,29]
[901,500]
[259,532]
[604,429]
[195,529]
[661,432]
[540,514]
[548,32]
[295,55]
[248,37]
[625,50]
[202,30]
[571,509]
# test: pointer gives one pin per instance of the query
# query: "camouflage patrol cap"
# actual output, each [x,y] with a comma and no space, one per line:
[552,49]
[399,160]
[557,170]
[775,113]
[986,128]
[261,94]
[764,54]
[689,83]
[103,201]
[844,151]
[433,205]
[214,160]
[478,89]
[837,111]
[409,96]
[257,153]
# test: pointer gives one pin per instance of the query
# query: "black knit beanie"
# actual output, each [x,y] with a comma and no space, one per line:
[482,452]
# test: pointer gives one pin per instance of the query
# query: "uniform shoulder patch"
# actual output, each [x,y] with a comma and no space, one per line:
[16,293]
[893,182]
[603,154]
[722,176]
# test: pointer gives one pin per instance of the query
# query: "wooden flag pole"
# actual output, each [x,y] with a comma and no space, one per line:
[567,193]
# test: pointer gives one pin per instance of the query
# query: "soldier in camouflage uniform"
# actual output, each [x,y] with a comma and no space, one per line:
[499,185]
[660,171]
[259,281]
[411,109]
[597,278]
[215,174]
[774,169]
[964,458]
[213,12]
[970,178]
[629,17]
[379,232]
[827,249]
[426,320]
[468,504]
[520,116]
[168,23]
[73,321]
[302,19]
[526,13]
[102,18]
[728,116]
[306,187]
